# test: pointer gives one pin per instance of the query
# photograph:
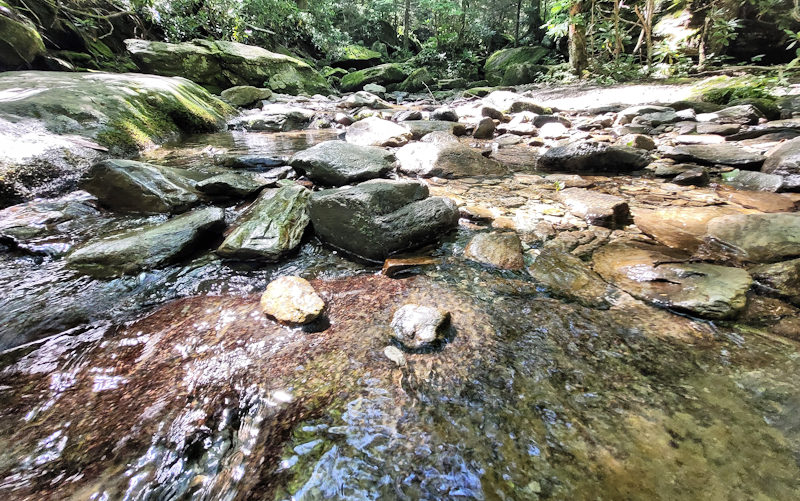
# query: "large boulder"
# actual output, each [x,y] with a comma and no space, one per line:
[245,95]
[383,74]
[416,81]
[724,154]
[355,56]
[148,247]
[272,226]
[378,218]
[448,160]
[59,124]
[130,186]
[785,161]
[336,163]
[20,43]
[657,275]
[515,66]
[757,238]
[374,131]
[219,65]
[588,156]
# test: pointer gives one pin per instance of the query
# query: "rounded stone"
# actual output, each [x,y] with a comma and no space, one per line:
[291,300]
[418,326]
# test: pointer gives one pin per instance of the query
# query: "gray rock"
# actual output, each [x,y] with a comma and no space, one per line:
[336,163]
[234,185]
[553,130]
[692,177]
[130,186]
[484,129]
[501,250]
[271,227]
[754,180]
[444,114]
[148,247]
[781,279]
[374,131]
[373,88]
[586,156]
[718,129]
[452,160]
[655,119]
[567,276]
[439,137]
[725,154]
[744,114]
[344,119]
[245,95]
[378,218]
[507,101]
[367,99]
[756,238]
[274,118]
[656,274]
[627,115]
[639,141]
[418,326]
[785,162]
[420,128]
[402,116]
[491,112]
[599,209]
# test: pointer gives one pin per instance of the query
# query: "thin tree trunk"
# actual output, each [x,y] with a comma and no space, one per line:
[577,39]
[406,27]
[516,25]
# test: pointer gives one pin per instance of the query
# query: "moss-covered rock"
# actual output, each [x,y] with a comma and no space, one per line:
[514,66]
[382,75]
[60,123]
[219,65]
[416,81]
[355,56]
[20,43]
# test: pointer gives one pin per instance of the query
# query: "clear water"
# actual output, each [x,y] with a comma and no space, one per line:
[172,385]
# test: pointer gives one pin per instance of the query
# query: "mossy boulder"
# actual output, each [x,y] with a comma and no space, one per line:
[383,74]
[60,123]
[20,43]
[515,66]
[219,65]
[416,81]
[356,56]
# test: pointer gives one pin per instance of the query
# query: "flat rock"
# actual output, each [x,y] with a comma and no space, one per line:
[417,326]
[745,114]
[586,156]
[421,128]
[366,99]
[656,275]
[759,200]
[753,180]
[785,162]
[452,160]
[395,266]
[599,209]
[272,226]
[627,115]
[755,238]
[130,186]
[234,184]
[569,277]
[692,177]
[149,247]
[725,154]
[680,227]
[291,300]
[374,131]
[336,163]
[501,250]
[782,279]
[718,129]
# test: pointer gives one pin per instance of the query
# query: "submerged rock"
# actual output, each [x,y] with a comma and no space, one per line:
[374,131]
[130,186]
[657,275]
[567,276]
[599,209]
[378,218]
[501,250]
[586,156]
[336,163]
[680,227]
[291,300]
[450,160]
[757,238]
[785,162]
[148,247]
[418,326]
[272,226]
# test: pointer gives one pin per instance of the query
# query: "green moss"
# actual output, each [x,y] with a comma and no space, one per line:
[382,74]
[416,80]
[356,53]
[501,61]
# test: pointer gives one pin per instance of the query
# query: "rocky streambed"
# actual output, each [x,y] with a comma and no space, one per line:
[617,290]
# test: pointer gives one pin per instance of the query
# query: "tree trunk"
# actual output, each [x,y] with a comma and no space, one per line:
[516,24]
[577,40]
[406,27]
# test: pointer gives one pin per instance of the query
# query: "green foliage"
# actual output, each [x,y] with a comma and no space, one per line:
[757,89]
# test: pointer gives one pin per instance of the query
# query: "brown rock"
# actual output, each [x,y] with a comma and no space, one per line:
[393,266]
[291,300]
[501,250]
[679,228]
[595,208]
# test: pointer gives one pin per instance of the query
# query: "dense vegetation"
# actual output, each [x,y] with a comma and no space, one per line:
[606,39]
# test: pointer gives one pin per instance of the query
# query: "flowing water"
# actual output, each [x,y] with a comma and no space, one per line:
[171,385]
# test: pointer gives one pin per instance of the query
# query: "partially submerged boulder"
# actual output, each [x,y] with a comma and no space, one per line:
[500,250]
[417,326]
[784,161]
[680,227]
[599,209]
[589,156]
[448,160]
[245,95]
[336,163]
[569,277]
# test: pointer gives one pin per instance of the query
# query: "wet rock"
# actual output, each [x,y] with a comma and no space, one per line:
[234,185]
[148,247]
[639,141]
[344,119]
[567,181]
[595,208]
[292,300]
[484,129]
[274,118]
[374,131]
[569,277]
[377,218]
[491,112]
[782,279]
[745,114]
[130,186]
[501,250]
[756,238]
[693,177]
[418,326]
[440,137]
[586,156]
[394,354]
[760,200]
[785,161]
[444,114]
[656,274]
[680,227]
[272,226]
[256,162]
[245,95]
[718,129]
[365,98]
[725,154]
[421,128]
[395,266]
[699,139]
[446,160]
[336,163]
[754,180]
[627,115]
